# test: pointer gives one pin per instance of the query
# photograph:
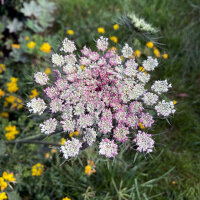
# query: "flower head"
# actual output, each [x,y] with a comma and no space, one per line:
[68,46]
[46,47]
[101,30]
[37,169]
[36,105]
[41,78]
[48,126]
[71,148]
[144,142]
[70,32]
[108,148]
[31,45]
[116,26]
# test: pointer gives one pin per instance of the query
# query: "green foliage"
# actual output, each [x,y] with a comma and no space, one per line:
[15,26]
[31,9]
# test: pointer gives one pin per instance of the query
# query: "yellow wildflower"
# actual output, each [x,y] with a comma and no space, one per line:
[90,168]
[3,184]
[9,177]
[141,125]
[45,47]
[114,39]
[47,155]
[101,30]
[156,52]
[70,32]
[14,101]
[63,140]
[2,93]
[2,68]
[4,114]
[47,71]
[173,182]
[34,93]
[11,132]
[12,85]
[165,55]
[137,53]
[37,169]
[116,26]
[66,198]
[122,58]
[53,151]
[141,69]
[174,102]
[3,196]
[15,46]
[31,45]
[113,49]
[27,38]
[74,133]
[82,67]
[149,44]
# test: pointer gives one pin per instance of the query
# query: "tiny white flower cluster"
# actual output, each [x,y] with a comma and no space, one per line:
[68,46]
[144,142]
[108,147]
[71,148]
[90,136]
[41,78]
[141,24]
[57,60]
[150,98]
[36,105]
[165,108]
[48,126]
[127,51]
[102,43]
[161,86]
[150,64]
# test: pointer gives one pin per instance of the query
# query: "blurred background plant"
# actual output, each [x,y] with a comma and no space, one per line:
[29,32]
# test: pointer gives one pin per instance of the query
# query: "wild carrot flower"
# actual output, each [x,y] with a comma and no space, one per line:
[100,98]
[144,142]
